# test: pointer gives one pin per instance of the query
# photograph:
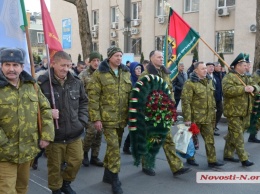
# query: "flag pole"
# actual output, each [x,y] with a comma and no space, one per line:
[225,63]
[33,75]
[51,88]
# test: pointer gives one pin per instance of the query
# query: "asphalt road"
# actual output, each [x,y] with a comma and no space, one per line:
[89,179]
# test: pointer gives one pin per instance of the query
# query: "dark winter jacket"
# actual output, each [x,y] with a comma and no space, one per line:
[218,76]
[71,101]
[178,83]
[134,78]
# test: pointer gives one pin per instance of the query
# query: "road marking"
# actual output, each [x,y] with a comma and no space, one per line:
[46,188]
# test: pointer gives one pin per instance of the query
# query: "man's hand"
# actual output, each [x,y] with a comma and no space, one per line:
[98,125]
[43,143]
[55,113]
[249,89]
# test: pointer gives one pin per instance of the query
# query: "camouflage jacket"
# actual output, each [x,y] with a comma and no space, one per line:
[163,73]
[85,76]
[18,119]
[237,102]
[197,100]
[108,95]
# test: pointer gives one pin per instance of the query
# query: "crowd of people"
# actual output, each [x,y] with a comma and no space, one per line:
[92,98]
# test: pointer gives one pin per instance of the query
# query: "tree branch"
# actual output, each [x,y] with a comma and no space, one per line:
[71,1]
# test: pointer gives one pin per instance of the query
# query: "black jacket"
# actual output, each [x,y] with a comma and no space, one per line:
[178,83]
[71,101]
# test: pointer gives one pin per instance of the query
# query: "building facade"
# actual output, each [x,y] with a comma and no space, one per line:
[138,26]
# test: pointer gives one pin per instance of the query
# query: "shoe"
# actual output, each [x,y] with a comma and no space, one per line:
[107,177]
[116,184]
[253,139]
[231,159]
[35,165]
[127,151]
[85,160]
[192,162]
[216,129]
[148,171]
[247,163]
[216,134]
[66,188]
[96,161]
[181,171]
[56,191]
[214,164]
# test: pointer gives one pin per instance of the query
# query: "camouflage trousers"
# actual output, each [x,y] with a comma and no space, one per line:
[113,138]
[169,149]
[207,133]
[57,154]
[92,140]
[14,178]
[235,138]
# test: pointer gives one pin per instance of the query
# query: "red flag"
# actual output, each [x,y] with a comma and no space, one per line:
[50,35]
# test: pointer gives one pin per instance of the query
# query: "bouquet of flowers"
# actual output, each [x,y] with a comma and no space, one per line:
[160,109]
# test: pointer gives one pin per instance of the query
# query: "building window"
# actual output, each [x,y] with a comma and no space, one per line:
[114,14]
[160,10]
[113,43]
[95,17]
[136,46]
[136,11]
[159,41]
[40,37]
[95,46]
[191,5]
[226,3]
[225,41]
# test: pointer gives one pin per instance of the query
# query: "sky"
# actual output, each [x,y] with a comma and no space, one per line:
[35,6]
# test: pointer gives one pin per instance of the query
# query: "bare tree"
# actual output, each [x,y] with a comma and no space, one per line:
[257,38]
[84,27]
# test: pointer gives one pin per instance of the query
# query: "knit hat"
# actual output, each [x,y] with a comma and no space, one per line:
[16,55]
[112,50]
[94,55]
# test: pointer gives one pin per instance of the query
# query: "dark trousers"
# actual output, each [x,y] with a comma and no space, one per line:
[219,107]
[39,155]
[177,102]
[127,141]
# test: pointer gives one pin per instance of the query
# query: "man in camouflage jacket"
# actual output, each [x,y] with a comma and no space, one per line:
[93,137]
[109,91]
[19,135]
[237,109]
[198,106]
[156,67]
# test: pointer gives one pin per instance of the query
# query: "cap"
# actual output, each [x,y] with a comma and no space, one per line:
[194,60]
[209,63]
[16,55]
[238,59]
[94,55]
[112,50]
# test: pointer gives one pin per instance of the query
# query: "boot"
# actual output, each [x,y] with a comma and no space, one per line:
[66,188]
[96,161]
[56,191]
[107,177]
[85,160]
[116,185]
[35,165]
[252,138]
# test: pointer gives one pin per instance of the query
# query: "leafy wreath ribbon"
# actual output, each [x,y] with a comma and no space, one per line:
[146,133]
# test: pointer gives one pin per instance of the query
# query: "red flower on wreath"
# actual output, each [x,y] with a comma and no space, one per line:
[160,109]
